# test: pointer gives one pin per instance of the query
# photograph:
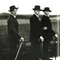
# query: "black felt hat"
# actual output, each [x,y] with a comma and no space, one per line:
[47,9]
[37,7]
[12,8]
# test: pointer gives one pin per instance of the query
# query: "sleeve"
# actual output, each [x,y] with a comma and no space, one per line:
[50,27]
[13,29]
[37,26]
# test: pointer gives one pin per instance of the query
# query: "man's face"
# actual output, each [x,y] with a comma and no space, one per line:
[14,11]
[37,12]
[46,12]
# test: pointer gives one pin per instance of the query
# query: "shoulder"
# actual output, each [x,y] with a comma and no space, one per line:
[10,19]
[33,17]
[44,17]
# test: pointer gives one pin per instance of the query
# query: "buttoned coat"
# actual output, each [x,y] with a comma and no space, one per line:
[48,36]
[48,33]
[13,35]
[35,30]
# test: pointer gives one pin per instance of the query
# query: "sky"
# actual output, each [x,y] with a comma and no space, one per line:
[26,6]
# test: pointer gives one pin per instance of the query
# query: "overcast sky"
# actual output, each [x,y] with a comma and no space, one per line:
[26,6]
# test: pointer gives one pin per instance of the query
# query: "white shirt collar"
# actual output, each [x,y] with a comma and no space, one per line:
[37,15]
[46,15]
[13,15]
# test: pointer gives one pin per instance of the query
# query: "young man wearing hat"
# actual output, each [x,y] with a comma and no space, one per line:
[48,33]
[36,33]
[13,34]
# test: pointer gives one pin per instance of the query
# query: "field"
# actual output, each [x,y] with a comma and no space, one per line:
[24,30]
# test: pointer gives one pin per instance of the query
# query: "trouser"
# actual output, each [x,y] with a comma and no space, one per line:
[45,52]
[12,53]
[36,52]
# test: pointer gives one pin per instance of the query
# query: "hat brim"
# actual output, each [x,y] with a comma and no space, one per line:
[12,10]
[46,10]
[37,9]
[16,8]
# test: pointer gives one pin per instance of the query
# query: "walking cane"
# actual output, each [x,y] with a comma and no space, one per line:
[18,50]
[42,50]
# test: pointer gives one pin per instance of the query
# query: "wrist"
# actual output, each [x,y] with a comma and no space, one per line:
[56,35]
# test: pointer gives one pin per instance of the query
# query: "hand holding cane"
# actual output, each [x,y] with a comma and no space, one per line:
[42,50]
[19,48]
[42,39]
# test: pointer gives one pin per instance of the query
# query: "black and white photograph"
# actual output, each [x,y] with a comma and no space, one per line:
[29,30]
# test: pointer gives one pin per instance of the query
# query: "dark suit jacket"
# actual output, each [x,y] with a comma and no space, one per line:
[13,30]
[35,30]
[49,33]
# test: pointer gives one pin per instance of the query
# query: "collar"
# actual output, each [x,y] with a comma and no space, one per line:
[46,15]
[37,15]
[13,15]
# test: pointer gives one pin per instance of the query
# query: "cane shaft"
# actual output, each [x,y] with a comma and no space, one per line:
[18,51]
[42,50]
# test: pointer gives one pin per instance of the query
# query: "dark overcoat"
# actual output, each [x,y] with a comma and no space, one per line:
[48,33]
[35,33]
[48,36]
[13,31]
[35,29]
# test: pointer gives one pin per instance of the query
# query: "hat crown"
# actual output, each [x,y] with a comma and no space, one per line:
[37,7]
[47,9]
[12,8]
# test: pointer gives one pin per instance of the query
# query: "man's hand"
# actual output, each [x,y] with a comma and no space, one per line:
[42,39]
[44,28]
[56,35]
[51,42]
[28,44]
[22,39]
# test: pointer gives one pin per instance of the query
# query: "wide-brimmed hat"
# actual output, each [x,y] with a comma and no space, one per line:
[47,9]
[37,7]
[12,8]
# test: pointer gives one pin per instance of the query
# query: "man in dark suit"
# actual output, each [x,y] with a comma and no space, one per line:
[48,32]
[36,33]
[13,34]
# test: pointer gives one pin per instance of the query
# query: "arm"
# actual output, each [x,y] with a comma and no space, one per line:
[36,27]
[13,32]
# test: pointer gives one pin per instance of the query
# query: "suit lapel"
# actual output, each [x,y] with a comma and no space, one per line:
[39,19]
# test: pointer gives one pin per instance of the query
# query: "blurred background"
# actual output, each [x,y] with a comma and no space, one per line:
[23,16]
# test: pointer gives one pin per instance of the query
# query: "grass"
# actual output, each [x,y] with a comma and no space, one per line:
[24,30]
